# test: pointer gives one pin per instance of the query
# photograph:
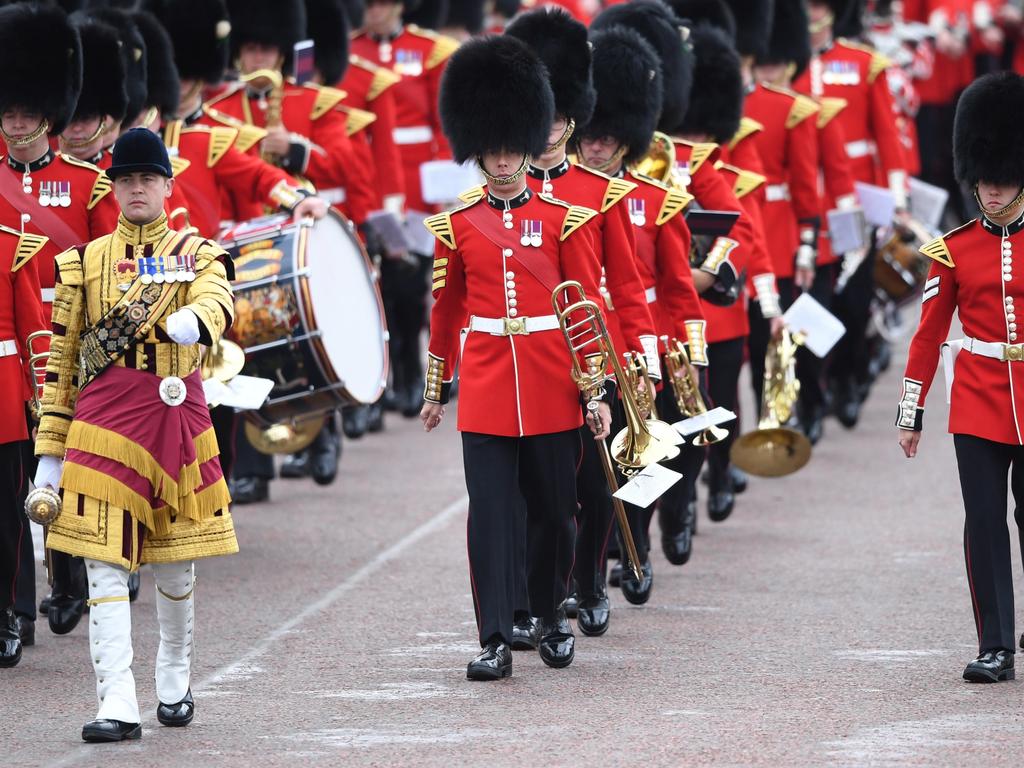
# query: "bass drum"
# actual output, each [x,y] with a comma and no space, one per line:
[900,269]
[308,314]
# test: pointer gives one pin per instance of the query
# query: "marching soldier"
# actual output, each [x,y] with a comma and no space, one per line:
[974,272]
[417,56]
[519,410]
[627,78]
[562,44]
[125,433]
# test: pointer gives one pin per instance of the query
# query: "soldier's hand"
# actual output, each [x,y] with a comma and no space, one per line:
[908,442]
[600,421]
[313,206]
[702,280]
[277,141]
[775,326]
[430,415]
[183,327]
[803,278]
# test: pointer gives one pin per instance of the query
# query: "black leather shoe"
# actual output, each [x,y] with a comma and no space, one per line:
[990,667]
[739,479]
[721,496]
[355,421]
[638,592]
[557,643]
[571,605]
[27,631]
[111,730]
[615,575]
[594,615]
[375,417]
[10,638]
[134,585]
[67,601]
[296,466]
[524,633]
[44,605]
[324,456]
[494,662]
[847,404]
[177,715]
[813,425]
[676,540]
[250,490]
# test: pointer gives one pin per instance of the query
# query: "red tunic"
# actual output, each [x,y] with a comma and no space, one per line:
[21,314]
[628,318]
[514,385]
[974,273]
[836,171]
[856,74]
[418,56]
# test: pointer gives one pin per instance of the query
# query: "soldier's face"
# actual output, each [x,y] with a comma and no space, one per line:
[501,162]
[774,74]
[597,153]
[253,56]
[817,13]
[142,195]
[18,123]
[995,197]
[79,130]
[382,15]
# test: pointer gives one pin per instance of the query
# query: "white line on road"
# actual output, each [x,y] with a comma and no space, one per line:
[434,524]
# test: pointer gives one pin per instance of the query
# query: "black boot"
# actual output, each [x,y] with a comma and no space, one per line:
[250,490]
[99,731]
[571,605]
[178,714]
[10,638]
[739,479]
[990,667]
[413,400]
[27,630]
[721,497]
[638,592]
[134,585]
[524,632]
[676,539]
[557,643]
[355,421]
[67,601]
[325,454]
[375,418]
[812,423]
[846,403]
[494,662]
[594,614]
[296,465]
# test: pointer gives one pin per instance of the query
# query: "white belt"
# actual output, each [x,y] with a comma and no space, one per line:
[862,148]
[774,193]
[8,347]
[417,134]
[48,295]
[332,196]
[997,350]
[651,294]
[512,326]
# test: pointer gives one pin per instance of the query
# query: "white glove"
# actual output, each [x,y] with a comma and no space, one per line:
[48,472]
[183,327]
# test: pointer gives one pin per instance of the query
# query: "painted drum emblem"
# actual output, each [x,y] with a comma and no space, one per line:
[172,390]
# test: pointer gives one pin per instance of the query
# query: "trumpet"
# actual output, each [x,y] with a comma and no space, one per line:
[273,116]
[635,446]
[687,391]
[37,372]
[773,449]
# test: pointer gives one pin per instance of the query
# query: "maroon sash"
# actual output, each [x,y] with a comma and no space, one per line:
[46,220]
[534,260]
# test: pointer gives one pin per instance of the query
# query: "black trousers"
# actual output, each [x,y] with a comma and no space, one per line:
[810,369]
[503,476]
[595,516]
[851,355]
[984,466]
[224,419]
[13,489]
[725,359]
[404,291]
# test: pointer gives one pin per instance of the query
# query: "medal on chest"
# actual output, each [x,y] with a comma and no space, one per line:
[532,233]
[408,62]
[637,212]
[682,172]
[840,73]
[167,269]
[53,194]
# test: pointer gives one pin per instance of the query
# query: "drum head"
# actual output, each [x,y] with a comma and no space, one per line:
[347,309]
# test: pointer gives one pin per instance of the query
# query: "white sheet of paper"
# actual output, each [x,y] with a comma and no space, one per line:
[442,181]
[647,485]
[846,230]
[712,418]
[927,203]
[821,329]
[878,203]
[420,239]
[246,393]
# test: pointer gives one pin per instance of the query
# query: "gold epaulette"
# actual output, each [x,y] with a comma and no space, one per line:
[222,139]
[100,187]
[615,191]
[327,98]
[675,202]
[829,107]
[179,165]
[748,127]
[878,64]
[937,250]
[356,119]
[444,46]
[69,266]
[248,137]
[28,246]
[803,107]
[440,226]
[575,218]
[746,181]
[473,194]
[699,154]
[383,78]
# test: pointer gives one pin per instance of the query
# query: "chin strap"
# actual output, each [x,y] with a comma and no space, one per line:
[504,180]
[612,162]
[1005,210]
[566,135]
[42,130]
[81,143]
[820,26]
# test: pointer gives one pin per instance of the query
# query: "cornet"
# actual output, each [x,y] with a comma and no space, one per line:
[687,391]
[37,372]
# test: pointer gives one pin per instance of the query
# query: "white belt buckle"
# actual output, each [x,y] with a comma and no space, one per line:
[173,391]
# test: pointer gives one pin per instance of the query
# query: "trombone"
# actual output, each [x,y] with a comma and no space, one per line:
[635,446]
[686,388]
[773,449]
[37,371]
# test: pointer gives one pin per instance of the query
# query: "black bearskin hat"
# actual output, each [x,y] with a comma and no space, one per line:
[495,95]
[656,24]
[466,14]
[163,88]
[848,18]
[428,14]
[753,25]
[986,131]
[281,23]
[716,102]
[790,40]
[133,51]
[327,26]
[40,62]
[714,12]
[355,10]
[103,77]
[627,76]
[561,43]
[507,8]
[199,31]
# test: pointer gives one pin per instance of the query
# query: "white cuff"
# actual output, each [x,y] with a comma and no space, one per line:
[767,296]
